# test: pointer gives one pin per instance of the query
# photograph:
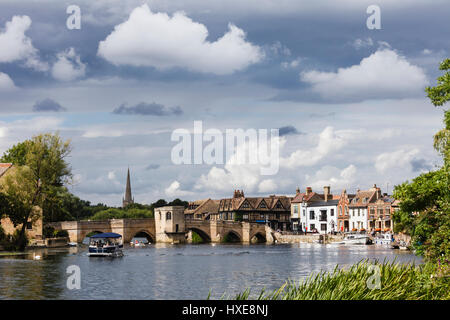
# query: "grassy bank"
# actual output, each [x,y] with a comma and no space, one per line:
[397,281]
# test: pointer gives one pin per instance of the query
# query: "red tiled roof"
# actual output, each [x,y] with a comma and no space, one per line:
[4,167]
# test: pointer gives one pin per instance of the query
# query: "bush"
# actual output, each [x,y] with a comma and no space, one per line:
[48,232]
[10,242]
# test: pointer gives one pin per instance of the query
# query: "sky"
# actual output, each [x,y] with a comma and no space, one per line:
[349,101]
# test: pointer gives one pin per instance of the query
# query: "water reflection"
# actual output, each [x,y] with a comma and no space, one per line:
[176,271]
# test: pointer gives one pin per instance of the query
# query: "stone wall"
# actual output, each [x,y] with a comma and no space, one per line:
[309,238]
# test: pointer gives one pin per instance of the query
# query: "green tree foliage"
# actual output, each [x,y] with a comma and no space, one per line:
[126,213]
[16,154]
[25,189]
[424,207]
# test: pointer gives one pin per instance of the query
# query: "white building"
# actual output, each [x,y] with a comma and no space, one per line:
[358,218]
[321,216]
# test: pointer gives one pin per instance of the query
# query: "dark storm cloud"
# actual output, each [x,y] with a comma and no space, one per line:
[148,109]
[288,130]
[48,105]
[420,165]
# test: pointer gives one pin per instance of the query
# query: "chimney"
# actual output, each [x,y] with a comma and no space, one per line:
[326,192]
[297,191]
[308,190]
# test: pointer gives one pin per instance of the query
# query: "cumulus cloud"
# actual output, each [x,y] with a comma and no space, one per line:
[16,46]
[174,190]
[330,141]
[68,67]
[6,83]
[267,186]
[160,41]
[334,177]
[148,109]
[384,74]
[397,159]
[47,105]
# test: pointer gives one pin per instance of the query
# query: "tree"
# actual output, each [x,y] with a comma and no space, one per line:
[424,208]
[43,172]
[16,154]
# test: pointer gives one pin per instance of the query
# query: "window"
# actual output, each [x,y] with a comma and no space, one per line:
[359,213]
[312,226]
[372,211]
[245,205]
[278,205]
[263,204]
[245,217]
[323,227]
[261,215]
[332,212]
[323,215]
[304,212]
[311,215]
[295,208]
[169,215]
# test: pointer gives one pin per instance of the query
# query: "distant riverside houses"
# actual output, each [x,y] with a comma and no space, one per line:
[273,210]
[34,229]
[314,212]
[367,210]
[371,210]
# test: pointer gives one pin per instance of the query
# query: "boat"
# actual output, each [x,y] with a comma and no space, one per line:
[139,242]
[105,245]
[384,239]
[354,238]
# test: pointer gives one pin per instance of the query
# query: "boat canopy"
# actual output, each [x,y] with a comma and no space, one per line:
[107,235]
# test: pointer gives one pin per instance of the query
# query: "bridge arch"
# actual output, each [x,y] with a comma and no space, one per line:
[232,236]
[258,237]
[145,234]
[203,235]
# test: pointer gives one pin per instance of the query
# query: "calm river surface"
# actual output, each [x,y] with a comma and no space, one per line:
[176,271]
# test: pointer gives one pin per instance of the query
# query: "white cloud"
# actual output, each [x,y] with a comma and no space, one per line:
[267,186]
[362,43]
[19,46]
[112,175]
[334,177]
[396,159]
[68,67]
[6,83]
[330,141]
[174,190]
[384,74]
[160,41]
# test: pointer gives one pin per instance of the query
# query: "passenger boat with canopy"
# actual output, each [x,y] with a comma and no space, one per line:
[105,245]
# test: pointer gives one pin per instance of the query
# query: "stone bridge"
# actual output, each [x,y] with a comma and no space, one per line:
[209,231]
[128,228]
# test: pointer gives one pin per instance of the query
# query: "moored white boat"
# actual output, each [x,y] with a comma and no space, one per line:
[384,239]
[105,245]
[356,239]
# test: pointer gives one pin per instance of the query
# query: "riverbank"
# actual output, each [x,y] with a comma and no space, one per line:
[366,281]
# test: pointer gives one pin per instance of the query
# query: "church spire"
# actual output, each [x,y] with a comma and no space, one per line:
[128,198]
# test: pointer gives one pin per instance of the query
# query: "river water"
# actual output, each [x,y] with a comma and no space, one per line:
[177,271]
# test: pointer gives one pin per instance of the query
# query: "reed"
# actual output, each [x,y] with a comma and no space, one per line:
[397,282]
